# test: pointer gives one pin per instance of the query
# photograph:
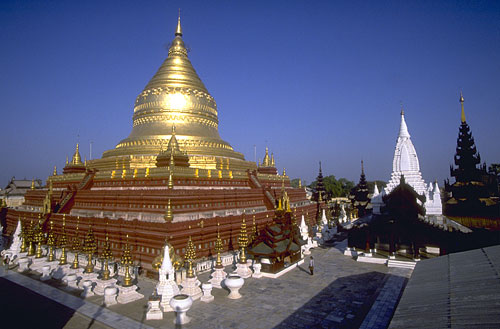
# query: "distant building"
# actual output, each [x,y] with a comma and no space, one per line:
[14,192]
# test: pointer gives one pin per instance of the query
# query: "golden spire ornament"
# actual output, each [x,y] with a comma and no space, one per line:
[31,250]
[32,184]
[190,257]
[170,180]
[76,248]
[54,173]
[168,214]
[218,249]
[463,111]
[106,255]
[39,238]
[89,247]
[127,261]
[254,228]
[51,242]
[243,240]
[62,241]
[24,235]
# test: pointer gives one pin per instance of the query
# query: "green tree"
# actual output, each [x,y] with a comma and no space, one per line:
[295,182]
[335,188]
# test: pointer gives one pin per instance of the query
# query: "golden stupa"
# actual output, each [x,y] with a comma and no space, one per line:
[174,99]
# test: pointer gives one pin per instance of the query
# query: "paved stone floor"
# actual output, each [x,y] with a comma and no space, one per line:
[342,293]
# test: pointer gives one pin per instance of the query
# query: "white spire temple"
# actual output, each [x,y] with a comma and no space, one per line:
[406,163]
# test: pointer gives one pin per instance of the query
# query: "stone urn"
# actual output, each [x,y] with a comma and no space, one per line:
[234,283]
[45,273]
[110,296]
[181,304]
[207,292]
[23,263]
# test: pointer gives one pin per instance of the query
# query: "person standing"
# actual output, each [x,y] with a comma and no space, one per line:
[6,263]
[311,265]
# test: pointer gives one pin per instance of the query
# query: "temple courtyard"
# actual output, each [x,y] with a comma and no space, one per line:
[342,293]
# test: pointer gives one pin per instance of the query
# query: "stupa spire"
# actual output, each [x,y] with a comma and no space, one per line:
[178,30]
[403,129]
[462,103]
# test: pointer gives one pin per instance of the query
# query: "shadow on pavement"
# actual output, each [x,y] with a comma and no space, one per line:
[23,308]
[342,304]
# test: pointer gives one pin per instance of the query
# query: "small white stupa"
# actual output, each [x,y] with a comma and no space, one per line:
[15,247]
[166,287]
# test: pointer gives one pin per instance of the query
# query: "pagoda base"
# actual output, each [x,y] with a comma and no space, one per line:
[37,264]
[154,312]
[283,271]
[243,270]
[101,285]
[128,294]
[61,271]
[87,276]
[167,290]
[190,287]
[218,275]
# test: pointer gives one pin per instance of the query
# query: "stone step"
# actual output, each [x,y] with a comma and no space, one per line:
[401,264]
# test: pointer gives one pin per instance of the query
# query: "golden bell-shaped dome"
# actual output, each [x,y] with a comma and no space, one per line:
[175,96]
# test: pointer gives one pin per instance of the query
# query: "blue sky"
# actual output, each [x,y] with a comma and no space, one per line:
[314,81]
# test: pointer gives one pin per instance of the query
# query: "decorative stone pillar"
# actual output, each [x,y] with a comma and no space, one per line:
[101,285]
[207,293]
[45,273]
[87,289]
[256,271]
[154,312]
[110,296]
[71,281]
[23,263]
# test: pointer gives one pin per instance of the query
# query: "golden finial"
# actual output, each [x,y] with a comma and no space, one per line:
[54,173]
[170,180]
[168,214]
[254,227]
[243,240]
[273,164]
[178,30]
[39,238]
[85,161]
[51,241]
[218,248]
[89,247]
[127,261]
[300,183]
[462,103]
[284,172]
[32,184]
[106,255]
[190,256]
[76,246]
[67,162]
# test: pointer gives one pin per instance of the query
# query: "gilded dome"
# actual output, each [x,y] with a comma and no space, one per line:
[175,96]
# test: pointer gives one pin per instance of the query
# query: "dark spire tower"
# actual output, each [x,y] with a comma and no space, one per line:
[359,194]
[320,187]
[474,192]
